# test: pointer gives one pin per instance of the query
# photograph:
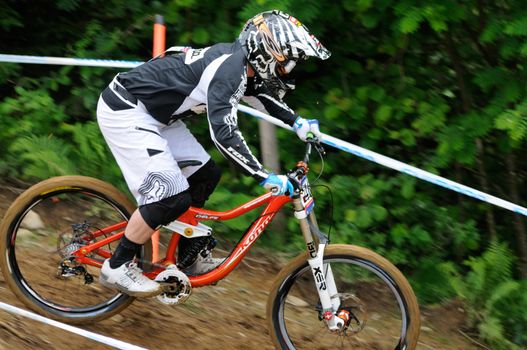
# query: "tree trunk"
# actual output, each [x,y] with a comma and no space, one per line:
[271,161]
[484,183]
[466,100]
[269,146]
[519,225]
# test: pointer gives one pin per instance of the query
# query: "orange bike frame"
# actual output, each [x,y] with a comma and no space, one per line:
[192,216]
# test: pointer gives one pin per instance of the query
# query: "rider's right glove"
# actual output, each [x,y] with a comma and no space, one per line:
[278,184]
[304,126]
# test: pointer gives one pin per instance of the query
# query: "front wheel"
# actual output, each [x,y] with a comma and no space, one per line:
[376,300]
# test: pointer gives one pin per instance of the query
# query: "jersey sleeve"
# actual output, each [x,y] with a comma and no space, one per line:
[261,98]
[225,90]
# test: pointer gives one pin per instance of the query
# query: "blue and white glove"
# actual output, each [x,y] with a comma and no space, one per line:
[278,184]
[304,126]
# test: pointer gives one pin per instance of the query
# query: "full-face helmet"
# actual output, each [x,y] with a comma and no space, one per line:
[274,42]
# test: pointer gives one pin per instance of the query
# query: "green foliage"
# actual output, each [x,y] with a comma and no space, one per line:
[431,282]
[514,121]
[43,156]
[438,84]
[9,17]
[494,300]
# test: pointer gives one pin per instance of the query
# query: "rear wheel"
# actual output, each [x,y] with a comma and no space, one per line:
[377,303]
[40,230]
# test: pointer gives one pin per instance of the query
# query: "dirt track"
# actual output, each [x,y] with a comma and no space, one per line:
[230,315]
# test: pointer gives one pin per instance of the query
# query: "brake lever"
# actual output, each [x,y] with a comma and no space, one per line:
[320,149]
[315,141]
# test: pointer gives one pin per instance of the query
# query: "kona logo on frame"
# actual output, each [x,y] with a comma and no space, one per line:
[256,232]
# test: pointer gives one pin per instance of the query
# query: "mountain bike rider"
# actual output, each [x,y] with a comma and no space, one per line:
[140,114]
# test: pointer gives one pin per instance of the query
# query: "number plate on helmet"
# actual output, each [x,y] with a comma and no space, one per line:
[305,195]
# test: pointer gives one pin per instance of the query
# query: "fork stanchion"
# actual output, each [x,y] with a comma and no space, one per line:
[158,50]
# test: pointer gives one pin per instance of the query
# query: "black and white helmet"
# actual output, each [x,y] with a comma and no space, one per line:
[274,41]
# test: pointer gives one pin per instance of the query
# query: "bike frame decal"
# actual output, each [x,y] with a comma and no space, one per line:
[307,199]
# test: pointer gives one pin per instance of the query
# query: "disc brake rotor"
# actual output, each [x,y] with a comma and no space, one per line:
[354,313]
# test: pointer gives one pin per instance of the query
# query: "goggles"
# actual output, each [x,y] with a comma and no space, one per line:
[286,68]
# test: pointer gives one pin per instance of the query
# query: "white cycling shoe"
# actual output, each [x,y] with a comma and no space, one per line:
[129,279]
[203,265]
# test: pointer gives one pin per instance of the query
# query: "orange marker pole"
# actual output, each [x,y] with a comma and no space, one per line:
[158,49]
[159,36]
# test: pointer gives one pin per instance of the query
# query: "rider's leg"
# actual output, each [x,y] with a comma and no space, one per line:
[202,184]
[202,180]
[152,175]
[137,232]
[144,221]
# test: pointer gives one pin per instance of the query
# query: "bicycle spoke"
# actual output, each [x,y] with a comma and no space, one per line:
[47,234]
[366,294]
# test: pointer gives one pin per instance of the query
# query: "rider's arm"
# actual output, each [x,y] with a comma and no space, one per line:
[224,93]
[263,100]
[260,98]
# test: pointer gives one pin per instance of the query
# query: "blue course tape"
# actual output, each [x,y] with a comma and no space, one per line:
[397,165]
[82,332]
[69,61]
[327,139]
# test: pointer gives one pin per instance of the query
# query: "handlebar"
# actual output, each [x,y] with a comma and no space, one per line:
[301,168]
[311,141]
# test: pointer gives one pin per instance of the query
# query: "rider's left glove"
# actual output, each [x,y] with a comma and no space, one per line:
[278,185]
[303,126]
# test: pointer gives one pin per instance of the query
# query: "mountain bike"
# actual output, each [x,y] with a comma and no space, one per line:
[332,295]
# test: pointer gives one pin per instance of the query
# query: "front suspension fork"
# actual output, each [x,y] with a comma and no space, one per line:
[322,273]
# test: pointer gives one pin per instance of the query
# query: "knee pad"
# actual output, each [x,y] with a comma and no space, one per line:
[203,182]
[165,210]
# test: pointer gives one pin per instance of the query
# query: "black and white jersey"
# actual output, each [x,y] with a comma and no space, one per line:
[215,77]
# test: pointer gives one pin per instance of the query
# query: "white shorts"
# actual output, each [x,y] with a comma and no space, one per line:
[147,151]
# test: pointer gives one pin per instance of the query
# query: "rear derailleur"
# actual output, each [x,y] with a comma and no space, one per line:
[69,267]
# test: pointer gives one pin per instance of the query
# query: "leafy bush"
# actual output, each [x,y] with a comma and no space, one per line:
[495,302]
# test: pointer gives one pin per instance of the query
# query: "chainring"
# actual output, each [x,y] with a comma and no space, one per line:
[176,286]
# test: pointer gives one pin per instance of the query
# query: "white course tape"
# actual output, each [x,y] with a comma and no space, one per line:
[69,61]
[397,165]
[87,334]
[329,140]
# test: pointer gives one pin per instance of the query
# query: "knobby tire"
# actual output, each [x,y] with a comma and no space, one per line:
[9,262]
[285,281]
